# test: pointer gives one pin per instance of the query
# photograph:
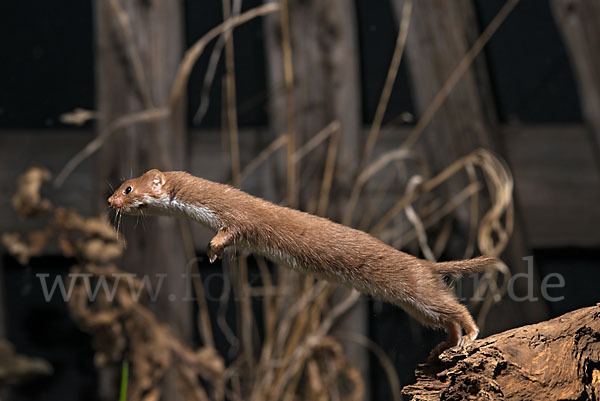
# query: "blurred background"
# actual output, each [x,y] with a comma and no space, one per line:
[447,129]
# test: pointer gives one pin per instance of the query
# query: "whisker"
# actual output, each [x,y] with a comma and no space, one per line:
[143,220]
[119,216]
[122,228]
[110,185]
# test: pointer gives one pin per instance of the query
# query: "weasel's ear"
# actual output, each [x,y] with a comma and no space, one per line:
[157,177]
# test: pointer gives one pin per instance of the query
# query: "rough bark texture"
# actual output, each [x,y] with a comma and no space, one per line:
[578,23]
[135,71]
[554,360]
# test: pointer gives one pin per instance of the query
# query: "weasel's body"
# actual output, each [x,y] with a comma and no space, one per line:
[307,243]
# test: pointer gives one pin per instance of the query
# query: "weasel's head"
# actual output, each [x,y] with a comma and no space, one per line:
[142,195]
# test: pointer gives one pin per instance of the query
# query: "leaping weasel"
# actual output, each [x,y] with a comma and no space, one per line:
[308,244]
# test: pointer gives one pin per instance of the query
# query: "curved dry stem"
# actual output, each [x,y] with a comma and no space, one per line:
[434,215]
[316,140]
[459,71]
[194,52]
[263,156]
[144,116]
[213,62]
[301,352]
[413,217]
[381,107]
[439,99]
[473,212]
[384,360]
[389,83]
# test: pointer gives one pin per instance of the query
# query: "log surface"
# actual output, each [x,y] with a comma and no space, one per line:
[558,359]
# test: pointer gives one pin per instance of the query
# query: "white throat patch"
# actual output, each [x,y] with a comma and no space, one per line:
[201,214]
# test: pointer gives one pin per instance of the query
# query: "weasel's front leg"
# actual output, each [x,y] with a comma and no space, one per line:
[217,245]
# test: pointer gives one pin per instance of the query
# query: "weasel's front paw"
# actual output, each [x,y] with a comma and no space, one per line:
[214,252]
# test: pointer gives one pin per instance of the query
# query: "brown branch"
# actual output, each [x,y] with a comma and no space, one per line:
[554,360]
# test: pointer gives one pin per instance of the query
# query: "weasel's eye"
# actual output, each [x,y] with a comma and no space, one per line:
[128,190]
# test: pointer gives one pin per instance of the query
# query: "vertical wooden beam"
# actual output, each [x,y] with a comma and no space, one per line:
[2,303]
[139,46]
[440,35]
[577,21]
[326,87]
[326,81]
[437,41]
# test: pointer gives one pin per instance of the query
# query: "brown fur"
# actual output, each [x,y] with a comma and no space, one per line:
[309,244]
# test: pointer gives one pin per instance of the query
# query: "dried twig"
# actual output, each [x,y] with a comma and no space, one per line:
[125,121]
[212,67]
[381,106]
[194,52]
[460,70]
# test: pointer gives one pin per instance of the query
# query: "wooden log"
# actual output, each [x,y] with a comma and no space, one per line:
[557,359]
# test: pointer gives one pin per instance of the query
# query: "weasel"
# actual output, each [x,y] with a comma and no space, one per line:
[308,244]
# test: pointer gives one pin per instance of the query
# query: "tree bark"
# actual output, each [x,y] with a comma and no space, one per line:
[554,360]
[577,21]
[139,47]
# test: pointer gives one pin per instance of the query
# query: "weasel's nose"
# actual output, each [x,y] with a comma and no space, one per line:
[115,202]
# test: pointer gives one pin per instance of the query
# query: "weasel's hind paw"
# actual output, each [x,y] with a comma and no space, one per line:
[469,337]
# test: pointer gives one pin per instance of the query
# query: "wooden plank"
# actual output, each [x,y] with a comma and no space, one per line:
[558,183]
[326,87]
[577,21]
[438,38]
[554,168]
[139,47]
[326,83]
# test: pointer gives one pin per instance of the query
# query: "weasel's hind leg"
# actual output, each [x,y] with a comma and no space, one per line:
[454,318]
[456,321]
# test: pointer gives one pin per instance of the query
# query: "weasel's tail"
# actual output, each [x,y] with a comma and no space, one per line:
[468,266]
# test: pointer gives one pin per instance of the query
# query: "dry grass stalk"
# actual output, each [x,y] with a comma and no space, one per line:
[460,70]
[144,116]
[389,83]
[194,52]
[288,77]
